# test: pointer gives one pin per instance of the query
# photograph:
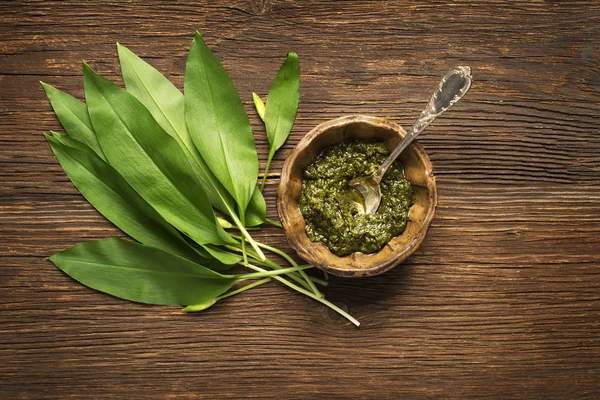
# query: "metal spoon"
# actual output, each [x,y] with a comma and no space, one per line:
[452,88]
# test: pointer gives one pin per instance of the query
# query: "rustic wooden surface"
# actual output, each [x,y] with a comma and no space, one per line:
[502,300]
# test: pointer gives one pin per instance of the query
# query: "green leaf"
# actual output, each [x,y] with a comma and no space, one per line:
[217,258]
[112,196]
[282,103]
[73,116]
[158,94]
[218,124]
[256,214]
[150,160]
[140,273]
[226,258]
[166,104]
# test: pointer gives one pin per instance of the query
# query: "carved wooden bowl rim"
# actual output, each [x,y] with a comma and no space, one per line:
[418,171]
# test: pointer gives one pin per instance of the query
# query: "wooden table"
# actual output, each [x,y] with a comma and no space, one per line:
[502,300]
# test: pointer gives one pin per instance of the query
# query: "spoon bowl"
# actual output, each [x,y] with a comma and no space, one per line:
[369,189]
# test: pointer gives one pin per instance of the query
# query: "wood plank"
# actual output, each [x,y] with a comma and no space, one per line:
[500,301]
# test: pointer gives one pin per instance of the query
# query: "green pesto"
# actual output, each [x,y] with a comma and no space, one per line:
[333,211]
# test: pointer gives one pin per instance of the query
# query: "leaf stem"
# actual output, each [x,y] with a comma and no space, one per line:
[264,273]
[318,281]
[244,254]
[293,263]
[311,295]
[269,159]
[269,263]
[274,223]
[245,233]
[289,259]
[243,288]
[296,276]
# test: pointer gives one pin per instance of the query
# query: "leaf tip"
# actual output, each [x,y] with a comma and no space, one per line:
[259,104]
[85,65]
[198,38]
[47,89]
[257,98]
[121,48]
[87,71]
[120,52]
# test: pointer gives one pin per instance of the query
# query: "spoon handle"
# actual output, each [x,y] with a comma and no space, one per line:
[452,88]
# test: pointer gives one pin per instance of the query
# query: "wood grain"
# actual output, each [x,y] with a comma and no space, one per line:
[502,300]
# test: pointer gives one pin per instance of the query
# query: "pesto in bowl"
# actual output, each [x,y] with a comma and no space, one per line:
[332,210]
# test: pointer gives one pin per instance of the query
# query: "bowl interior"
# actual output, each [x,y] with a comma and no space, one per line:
[417,169]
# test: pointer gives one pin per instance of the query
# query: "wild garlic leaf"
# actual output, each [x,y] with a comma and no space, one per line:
[218,259]
[73,115]
[150,160]
[114,198]
[282,103]
[157,93]
[225,257]
[218,123]
[140,273]
[166,104]
[256,214]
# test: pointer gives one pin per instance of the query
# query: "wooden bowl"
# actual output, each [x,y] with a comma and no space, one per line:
[417,169]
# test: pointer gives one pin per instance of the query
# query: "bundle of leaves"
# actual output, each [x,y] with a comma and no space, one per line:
[177,173]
